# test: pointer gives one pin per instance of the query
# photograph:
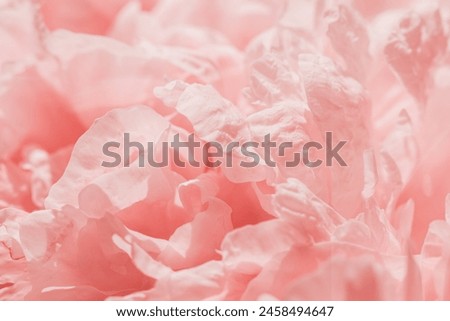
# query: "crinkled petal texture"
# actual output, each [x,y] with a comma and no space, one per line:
[348,200]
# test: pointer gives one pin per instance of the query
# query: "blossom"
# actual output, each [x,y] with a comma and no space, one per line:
[76,75]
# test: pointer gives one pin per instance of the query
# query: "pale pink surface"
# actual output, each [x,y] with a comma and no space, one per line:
[77,74]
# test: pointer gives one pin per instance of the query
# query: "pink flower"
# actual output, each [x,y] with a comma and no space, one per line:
[77,76]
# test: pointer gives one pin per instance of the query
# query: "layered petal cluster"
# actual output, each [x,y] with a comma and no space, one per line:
[76,75]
